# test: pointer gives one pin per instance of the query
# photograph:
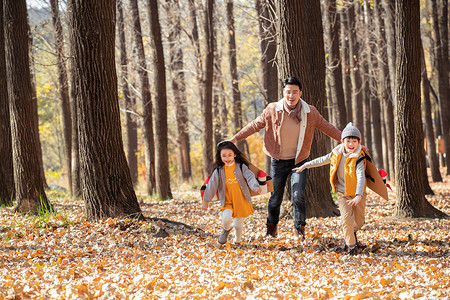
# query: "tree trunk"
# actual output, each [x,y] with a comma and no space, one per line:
[197,53]
[130,103]
[6,164]
[368,69]
[389,27]
[268,45]
[411,201]
[332,31]
[35,108]
[302,55]
[217,93]
[29,187]
[161,142]
[207,135]
[106,183]
[237,106]
[147,114]
[345,61]
[429,132]
[383,90]
[63,90]
[442,67]
[355,74]
[76,180]
[176,67]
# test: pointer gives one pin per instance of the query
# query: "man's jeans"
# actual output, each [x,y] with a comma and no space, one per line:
[279,171]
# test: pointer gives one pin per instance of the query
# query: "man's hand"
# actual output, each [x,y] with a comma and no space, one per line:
[354,201]
[205,206]
[299,169]
[258,190]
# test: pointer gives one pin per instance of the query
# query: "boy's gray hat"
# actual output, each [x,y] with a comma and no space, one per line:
[350,130]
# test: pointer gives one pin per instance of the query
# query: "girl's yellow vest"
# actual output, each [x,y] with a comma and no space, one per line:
[350,173]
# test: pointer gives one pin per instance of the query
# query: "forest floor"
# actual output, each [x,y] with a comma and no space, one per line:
[62,256]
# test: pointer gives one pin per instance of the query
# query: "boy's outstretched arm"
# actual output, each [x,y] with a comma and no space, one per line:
[320,161]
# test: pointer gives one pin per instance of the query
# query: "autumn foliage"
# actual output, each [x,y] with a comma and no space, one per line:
[175,255]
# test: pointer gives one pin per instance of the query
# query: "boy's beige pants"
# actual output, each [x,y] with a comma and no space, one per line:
[352,217]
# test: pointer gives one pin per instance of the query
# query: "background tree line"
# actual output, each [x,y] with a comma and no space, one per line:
[120,94]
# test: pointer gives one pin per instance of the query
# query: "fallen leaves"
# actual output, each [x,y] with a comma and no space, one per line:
[175,255]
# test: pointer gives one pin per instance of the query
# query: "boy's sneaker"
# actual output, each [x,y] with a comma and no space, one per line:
[224,236]
[300,231]
[272,230]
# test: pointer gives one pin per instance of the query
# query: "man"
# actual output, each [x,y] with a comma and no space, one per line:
[289,129]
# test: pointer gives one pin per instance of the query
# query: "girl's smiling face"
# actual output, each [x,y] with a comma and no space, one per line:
[350,144]
[227,156]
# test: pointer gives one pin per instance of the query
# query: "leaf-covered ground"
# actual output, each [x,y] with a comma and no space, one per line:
[64,257]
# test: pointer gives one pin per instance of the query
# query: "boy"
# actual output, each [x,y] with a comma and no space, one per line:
[347,177]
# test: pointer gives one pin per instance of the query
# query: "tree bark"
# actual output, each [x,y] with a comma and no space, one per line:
[76,180]
[302,55]
[429,132]
[367,69]
[7,191]
[106,183]
[345,61]
[207,135]
[332,31]
[389,23]
[63,89]
[147,115]
[130,103]
[442,67]
[237,103]
[383,90]
[355,74]
[268,45]
[411,201]
[161,142]
[29,187]
[218,93]
[176,67]
[35,108]
[197,52]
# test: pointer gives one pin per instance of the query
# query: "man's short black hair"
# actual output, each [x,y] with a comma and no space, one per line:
[292,80]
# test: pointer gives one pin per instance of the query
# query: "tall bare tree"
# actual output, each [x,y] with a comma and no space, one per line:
[106,183]
[345,59]
[355,69]
[266,11]
[130,102]
[35,107]
[176,67]
[429,131]
[6,163]
[207,135]
[409,152]
[29,187]
[147,114]
[161,141]
[442,65]
[334,64]
[237,103]
[63,89]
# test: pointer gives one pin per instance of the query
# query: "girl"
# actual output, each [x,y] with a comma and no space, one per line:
[231,180]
